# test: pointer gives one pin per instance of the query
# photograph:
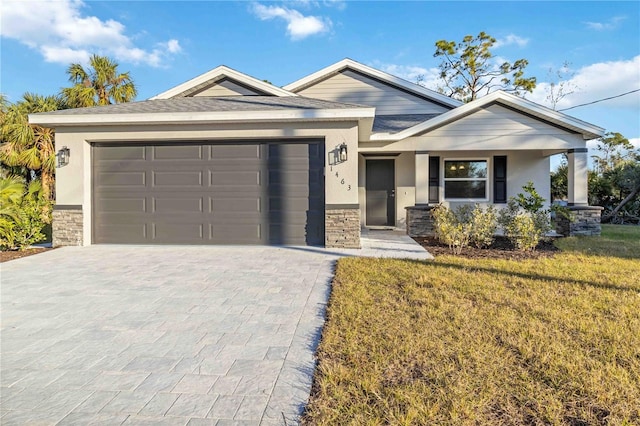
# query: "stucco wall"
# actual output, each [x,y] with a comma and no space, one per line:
[73,182]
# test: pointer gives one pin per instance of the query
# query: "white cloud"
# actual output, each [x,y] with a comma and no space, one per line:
[62,33]
[428,76]
[611,24]
[509,40]
[598,81]
[298,25]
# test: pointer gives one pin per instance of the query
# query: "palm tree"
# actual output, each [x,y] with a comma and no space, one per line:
[27,149]
[101,84]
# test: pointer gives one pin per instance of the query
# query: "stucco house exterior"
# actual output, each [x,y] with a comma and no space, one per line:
[228,159]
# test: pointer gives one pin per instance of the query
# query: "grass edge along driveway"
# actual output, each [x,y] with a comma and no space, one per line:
[460,342]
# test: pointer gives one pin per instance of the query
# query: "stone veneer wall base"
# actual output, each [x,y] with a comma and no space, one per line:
[419,221]
[585,221]
[67,227]
[342,228]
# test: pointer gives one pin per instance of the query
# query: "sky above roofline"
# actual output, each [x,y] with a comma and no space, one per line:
[165,43]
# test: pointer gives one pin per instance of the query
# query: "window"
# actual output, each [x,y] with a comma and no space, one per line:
[465,179]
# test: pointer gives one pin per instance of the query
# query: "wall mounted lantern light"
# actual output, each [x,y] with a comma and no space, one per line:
[63,156]
[343,152]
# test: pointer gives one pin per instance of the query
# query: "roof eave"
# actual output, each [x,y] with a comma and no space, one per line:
[201,117]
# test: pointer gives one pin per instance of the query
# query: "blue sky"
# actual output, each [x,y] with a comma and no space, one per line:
[164,43]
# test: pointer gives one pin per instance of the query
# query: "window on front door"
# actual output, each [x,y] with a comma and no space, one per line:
[465,179]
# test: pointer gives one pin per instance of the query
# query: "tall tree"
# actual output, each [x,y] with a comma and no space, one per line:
[469,69]
[100,84]
[27,149]
[560,84]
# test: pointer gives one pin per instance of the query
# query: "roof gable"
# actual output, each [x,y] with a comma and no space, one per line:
[376,77]
[223,81]
[514,103]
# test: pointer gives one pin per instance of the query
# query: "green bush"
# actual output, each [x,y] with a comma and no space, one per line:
[524,220]
[483,226]
[465,225]
[24,213]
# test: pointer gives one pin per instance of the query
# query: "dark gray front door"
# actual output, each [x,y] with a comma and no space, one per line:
[209,193]
[380,190]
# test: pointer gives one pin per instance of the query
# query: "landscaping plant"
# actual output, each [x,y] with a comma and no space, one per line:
[524,220]
[465,225]
[25,211]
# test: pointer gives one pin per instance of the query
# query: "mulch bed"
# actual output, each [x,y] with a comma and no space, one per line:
[6,256]
[500,249]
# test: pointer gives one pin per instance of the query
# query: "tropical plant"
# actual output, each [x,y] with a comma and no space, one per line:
[100,84]
[24,213]
[469,69]
[28,150]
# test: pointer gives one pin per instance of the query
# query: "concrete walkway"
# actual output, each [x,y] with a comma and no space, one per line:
[170,335]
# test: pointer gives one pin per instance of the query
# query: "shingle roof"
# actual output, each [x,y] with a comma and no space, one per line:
[210,104]
[398,123]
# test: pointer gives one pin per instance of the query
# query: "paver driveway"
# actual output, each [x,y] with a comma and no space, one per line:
[161,335]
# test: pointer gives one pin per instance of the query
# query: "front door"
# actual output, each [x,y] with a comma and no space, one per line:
[380,188]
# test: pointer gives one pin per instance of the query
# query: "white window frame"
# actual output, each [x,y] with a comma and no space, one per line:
[487,181]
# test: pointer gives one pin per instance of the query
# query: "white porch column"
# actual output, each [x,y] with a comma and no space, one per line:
[578,177]
[422,178]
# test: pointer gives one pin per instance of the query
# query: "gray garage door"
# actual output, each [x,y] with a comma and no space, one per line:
[209,193]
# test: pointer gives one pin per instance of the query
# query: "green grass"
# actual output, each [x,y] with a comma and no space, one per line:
[467,342]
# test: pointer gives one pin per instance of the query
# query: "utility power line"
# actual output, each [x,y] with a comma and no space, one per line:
[600,100]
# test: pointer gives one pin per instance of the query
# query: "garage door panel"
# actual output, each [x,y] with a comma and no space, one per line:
[236,151]
[209,193]
[173,152]
[125,153]
[117,178]
[235,205]
[124,233]
[177,178]
[134,205]
[177,205]
[178,233]
[234,178]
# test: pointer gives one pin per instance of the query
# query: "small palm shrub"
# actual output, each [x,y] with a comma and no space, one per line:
[24,212]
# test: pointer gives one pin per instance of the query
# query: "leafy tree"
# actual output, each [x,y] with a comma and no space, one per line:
[468,69]
[27,150]
[101,84]
[560,182]
[613,150]
[615,182]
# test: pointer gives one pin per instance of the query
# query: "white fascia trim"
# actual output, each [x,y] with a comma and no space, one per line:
[201,117]
[589,131]
[380,75]
[220,72]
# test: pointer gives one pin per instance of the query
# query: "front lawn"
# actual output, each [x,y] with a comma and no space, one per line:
[484,341]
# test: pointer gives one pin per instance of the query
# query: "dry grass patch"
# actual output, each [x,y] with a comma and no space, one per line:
[459,342]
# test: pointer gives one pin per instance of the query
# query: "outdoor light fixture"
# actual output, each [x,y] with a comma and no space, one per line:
[63,156]
[343,152]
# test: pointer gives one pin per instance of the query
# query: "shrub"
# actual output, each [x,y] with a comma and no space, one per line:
[450,229]
[24,213]
[464,225]
[524,221]
[483,226]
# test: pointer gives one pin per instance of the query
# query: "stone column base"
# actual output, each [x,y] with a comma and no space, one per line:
[67,225]
[342,228]
[420,221]
[585,221]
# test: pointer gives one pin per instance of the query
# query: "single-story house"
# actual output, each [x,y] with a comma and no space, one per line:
[226,158]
